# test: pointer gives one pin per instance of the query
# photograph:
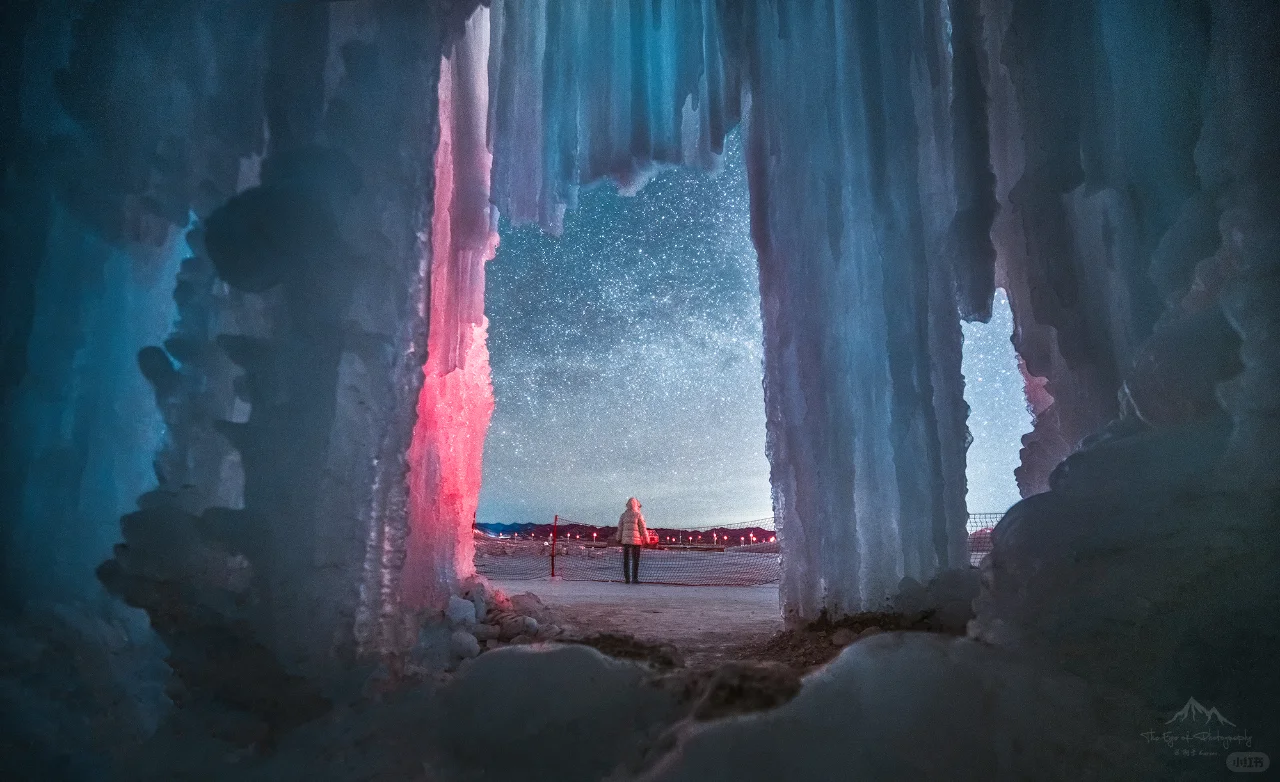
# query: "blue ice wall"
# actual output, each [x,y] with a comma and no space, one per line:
[85,419]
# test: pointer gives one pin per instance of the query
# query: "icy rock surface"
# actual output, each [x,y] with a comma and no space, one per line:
[908,706]
[79,686]
[463,644]
[460,611]
[1140,574]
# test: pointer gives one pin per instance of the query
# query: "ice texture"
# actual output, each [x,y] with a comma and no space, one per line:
[290,382]
[456,402]
[584,90]
[869,234]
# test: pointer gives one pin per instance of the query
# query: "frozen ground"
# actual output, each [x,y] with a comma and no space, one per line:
[705,623]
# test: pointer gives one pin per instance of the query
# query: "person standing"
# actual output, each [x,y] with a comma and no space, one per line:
[632,534]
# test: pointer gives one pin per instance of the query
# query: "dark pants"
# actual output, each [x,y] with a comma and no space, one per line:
[631,558]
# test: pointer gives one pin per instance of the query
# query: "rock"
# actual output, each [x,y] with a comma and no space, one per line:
[521,639]
[478,600]
[486,632]
[530,626]
[511,626]
[870,631]
[492,643]
[843,637]
[486,597]
[528,604]
[461,612]
[463,644]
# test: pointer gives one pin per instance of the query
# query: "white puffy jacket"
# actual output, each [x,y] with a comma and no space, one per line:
[631,529]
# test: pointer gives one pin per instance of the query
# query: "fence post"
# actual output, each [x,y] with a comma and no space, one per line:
[555,527]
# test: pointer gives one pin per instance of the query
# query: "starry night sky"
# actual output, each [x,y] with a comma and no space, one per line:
[626,358]
[998,415]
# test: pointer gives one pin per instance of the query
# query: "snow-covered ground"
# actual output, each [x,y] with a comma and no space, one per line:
[704,623]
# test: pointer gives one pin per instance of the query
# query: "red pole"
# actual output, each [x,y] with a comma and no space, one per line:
[555,524]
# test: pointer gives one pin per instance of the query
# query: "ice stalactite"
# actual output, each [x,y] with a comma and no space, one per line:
[456,401]
[868,233]
[585,90]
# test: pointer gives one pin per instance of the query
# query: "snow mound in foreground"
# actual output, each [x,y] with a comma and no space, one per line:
[911,706]
[547,712]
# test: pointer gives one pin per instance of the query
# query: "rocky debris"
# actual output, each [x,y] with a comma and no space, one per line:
[486,632]
[819,641]
[486,597]
[512,624]
[628,647]
[461,612]
[843,637]
[528,604]
[741,688]
[463,644]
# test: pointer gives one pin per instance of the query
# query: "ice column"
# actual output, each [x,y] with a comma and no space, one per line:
[855,291]
[456,401]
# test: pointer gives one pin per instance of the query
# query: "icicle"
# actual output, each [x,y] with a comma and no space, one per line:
[585,90]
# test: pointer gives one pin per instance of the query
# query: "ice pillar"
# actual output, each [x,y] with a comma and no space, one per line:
[860,457]
[456,401]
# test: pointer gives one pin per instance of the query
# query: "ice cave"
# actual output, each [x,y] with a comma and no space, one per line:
[246,384]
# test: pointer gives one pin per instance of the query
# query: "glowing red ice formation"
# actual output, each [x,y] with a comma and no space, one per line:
[456,402]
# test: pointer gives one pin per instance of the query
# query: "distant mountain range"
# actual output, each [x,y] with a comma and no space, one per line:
[570,530]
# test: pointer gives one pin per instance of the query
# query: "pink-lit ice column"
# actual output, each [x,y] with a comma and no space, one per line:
[457,398]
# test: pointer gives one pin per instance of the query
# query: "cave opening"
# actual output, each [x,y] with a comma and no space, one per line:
[626,355]
[998,412]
